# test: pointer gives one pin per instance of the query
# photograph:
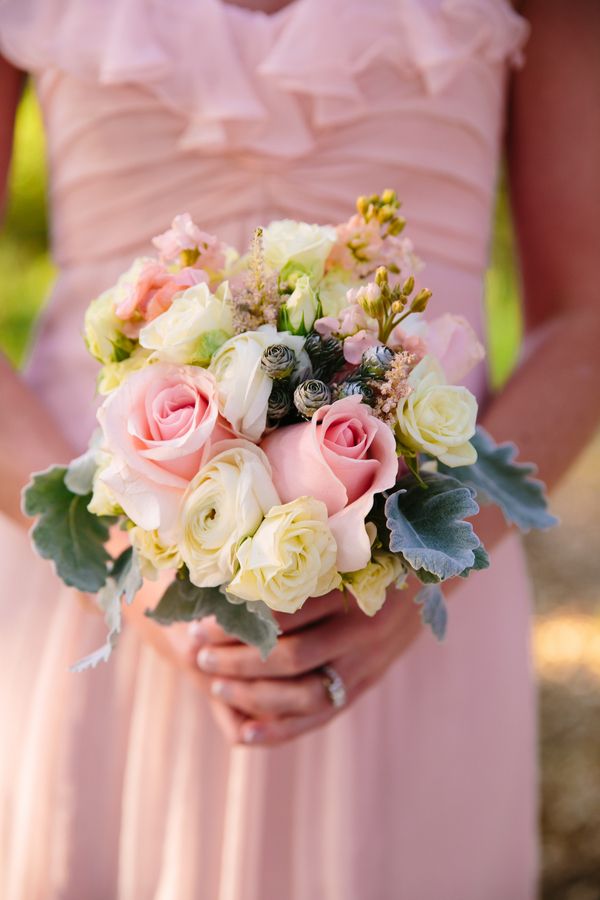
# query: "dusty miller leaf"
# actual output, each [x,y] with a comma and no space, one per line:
[66,532]
[125,580]
[80,471]
[433,609]
[498,478]
[427,527]
[249,622]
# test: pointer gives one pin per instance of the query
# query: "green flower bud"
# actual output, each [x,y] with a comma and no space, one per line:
[280,401]
[376,361]
[353,387]
[326,355]
[278,361]
[310,396]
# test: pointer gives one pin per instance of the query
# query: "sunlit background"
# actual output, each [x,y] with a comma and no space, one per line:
[563,563]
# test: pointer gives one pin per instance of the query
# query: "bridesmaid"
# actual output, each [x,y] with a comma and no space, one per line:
[118,783]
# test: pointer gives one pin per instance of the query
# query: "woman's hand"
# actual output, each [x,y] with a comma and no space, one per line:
[268,702]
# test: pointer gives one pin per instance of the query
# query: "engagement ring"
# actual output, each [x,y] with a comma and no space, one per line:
[335,686]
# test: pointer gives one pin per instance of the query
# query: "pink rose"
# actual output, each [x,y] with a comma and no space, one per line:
[153,291]
[185,235]
[343,457]
[454,343]
[157,428]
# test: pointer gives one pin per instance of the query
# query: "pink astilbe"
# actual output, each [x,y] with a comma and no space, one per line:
[200,249]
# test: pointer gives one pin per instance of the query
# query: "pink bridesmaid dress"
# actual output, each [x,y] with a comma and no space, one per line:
[116,784]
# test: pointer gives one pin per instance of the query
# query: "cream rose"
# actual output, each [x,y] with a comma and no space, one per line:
[289,559]
[368,586]
[113,374]
[437,418]
[153,553]
[224,504]
[197,323]
[244,388]
[308,246]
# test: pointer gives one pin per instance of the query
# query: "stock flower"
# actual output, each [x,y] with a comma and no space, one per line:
[147,290]
[308,246]
[103,331]
[224,504]
[157,427]
[437,418]
[185,240]
[190,331]
[291,557]
[368,586]
[448,338]
[244,387]
[343,457]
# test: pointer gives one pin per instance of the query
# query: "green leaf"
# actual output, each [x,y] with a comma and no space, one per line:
[66,532]
[482,561]
[125,579]
[427,527]
[252,623]
[433,609]
[497,478]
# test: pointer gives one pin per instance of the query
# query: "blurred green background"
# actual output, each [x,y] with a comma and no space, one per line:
[563,563]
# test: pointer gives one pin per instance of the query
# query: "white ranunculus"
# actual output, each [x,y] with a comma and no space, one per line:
[196,324]
[302,306]
[291,557]
[153,553]
[243,387]
[369,585]
[437,418]
[224,504]
[306,245]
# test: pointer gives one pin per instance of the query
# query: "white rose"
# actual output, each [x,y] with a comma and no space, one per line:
[289,559]
[301,306]
[104,502]
[194,326]
[243,387]
[308,246]
[224,503]
[369,585]
[437,418]
[153,554]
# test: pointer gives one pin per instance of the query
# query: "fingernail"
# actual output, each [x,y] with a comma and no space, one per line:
[207,660]
[220,689]
[252,734]
[197,631]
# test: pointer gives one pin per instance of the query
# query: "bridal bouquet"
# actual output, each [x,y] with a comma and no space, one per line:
[276,426]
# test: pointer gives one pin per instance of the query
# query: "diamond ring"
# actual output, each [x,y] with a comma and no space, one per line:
[335,687]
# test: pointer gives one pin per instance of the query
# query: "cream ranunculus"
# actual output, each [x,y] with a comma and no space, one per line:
[103,330]
[333,290]
[302,306]
[224,504]
[306,245]
[196,324]
[369,585]
[291,557]
[437,418]
[153,554]
[243,387]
